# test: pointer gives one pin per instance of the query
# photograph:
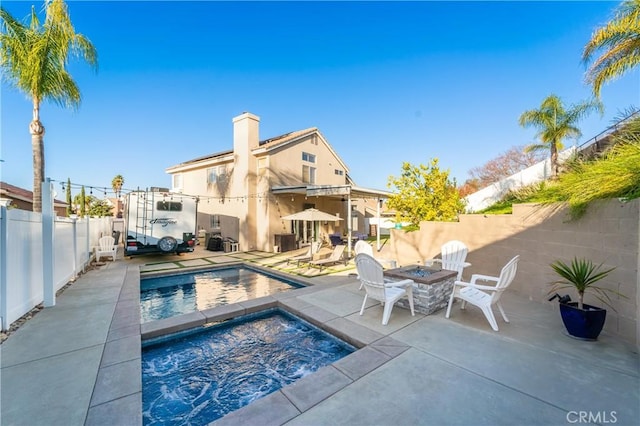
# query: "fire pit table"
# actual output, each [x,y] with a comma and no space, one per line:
[431,289]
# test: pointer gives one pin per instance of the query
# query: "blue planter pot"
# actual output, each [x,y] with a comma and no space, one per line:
[584,323]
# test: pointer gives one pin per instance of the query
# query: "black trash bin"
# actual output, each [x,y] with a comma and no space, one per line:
[116,237]
[215,243]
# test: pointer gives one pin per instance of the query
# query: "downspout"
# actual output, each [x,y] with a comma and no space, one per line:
[349,224]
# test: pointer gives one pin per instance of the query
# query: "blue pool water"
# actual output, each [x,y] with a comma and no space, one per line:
[195,378]
[170,295]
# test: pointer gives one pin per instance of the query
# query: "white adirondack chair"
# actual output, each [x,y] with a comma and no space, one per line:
[363,247]
[106,248]
[485,296]
[388,293]
[453,255]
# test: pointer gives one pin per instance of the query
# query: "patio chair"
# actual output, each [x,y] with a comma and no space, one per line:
[336,239]
[308,256]
[106,248]
[335,257]
[485,296]
[387,292]
[453,254]
[363,247]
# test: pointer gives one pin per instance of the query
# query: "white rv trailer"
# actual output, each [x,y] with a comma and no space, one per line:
[159,221]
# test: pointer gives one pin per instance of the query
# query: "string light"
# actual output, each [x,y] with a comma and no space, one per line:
[241,198]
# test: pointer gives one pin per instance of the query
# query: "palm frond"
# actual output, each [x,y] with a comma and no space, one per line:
[34,58]
[617,43]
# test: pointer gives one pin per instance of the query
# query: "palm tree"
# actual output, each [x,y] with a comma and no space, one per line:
[116,184]
[33,58]
[618,43]
[556,123]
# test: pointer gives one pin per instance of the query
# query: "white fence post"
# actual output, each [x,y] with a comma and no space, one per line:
[3,264]
[88,242]
[74,233]
[48,227]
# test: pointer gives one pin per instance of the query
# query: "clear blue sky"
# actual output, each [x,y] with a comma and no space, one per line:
[385,82]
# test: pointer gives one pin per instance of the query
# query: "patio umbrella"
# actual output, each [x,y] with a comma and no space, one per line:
[312,215]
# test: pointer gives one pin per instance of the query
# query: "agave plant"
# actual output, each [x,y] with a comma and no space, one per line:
[582,274]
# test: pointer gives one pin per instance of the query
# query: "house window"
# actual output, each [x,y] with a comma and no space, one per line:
[212,174]
[311,158]
[216,174]
[339,172]
[177,181]
[308,174]
[215,221]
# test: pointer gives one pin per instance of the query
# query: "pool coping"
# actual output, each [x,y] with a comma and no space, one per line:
[117,394]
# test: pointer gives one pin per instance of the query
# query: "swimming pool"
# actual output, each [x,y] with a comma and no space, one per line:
[170,295]
[199,376]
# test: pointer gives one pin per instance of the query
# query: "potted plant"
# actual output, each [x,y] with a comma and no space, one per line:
[581,320]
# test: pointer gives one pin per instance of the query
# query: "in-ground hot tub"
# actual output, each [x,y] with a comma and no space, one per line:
[432,287]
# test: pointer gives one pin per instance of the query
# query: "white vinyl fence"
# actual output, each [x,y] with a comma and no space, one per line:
[39,254]
[493,193]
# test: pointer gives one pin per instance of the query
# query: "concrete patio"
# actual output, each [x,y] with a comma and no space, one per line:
[78,363]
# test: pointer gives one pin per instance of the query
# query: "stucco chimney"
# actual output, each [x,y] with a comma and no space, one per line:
[246,135]
[243,181]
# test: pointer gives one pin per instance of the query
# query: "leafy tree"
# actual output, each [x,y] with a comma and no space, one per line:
[618,43]
[83,199]
[33,58]
[469,187]
[424,192]
[510,162]
[68,190]
[555,122]
[82,202]
[100,208]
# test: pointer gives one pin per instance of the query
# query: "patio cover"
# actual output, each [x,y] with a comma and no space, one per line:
[312,215]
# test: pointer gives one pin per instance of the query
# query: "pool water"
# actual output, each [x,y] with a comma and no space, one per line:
[196,378]
[171,295]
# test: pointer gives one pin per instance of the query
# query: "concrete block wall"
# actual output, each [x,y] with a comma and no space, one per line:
[608,233]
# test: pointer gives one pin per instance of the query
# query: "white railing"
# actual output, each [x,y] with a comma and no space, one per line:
[24,251]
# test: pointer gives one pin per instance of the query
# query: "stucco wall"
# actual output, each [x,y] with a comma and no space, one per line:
[285,164]
[608,233]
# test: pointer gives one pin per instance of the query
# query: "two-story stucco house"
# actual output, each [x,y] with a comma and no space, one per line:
[244,192]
